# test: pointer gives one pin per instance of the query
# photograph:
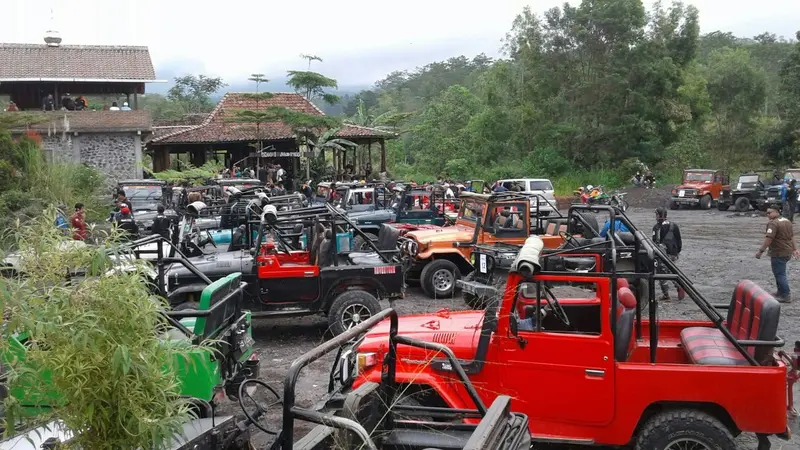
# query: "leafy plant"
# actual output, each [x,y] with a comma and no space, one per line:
[92,346]
[189,174]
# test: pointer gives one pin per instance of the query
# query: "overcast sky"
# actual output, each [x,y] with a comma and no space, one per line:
[360,40]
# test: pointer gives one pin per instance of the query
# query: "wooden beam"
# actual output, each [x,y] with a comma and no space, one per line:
[383,155]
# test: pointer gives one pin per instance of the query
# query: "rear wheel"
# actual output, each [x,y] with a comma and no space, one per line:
[351,308]
[705,202]
[742,204]
[673,204]
[439,277]
[723,206]
[684,429]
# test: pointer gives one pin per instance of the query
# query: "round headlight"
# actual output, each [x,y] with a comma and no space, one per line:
[472,258]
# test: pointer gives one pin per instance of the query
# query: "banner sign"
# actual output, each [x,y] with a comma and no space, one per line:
[277,154]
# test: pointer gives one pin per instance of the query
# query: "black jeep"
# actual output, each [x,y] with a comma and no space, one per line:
[749,191]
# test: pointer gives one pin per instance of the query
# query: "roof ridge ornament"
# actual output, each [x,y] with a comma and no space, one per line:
[51,37]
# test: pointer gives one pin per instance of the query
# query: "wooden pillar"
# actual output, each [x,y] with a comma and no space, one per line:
[383,155]
[369,152]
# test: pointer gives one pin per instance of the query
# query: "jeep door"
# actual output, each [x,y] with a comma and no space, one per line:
[286,283]
[553,372]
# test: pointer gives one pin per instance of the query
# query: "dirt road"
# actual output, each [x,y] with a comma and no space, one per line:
[718,251]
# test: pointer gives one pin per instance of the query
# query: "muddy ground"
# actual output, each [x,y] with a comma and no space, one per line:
[718,251]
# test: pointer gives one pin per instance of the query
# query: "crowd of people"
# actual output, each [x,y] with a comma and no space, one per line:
[67,103]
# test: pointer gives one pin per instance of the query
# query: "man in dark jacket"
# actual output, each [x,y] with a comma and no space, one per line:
[125,222]
[667,235]
[161,223]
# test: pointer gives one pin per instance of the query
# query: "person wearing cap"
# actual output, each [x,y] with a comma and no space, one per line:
[125,222]
[667,235]
[779,239]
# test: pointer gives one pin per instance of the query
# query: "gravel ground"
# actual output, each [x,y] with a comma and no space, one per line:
[718,251]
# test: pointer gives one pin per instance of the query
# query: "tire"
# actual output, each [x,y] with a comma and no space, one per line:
[350,308]
[434,274]
[742,204]
[591,220]
[706,201]
[673,205]
[666,430]
[187,306]
[360,244]
[723,206]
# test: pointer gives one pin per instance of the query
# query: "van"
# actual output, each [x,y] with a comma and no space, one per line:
[541,186]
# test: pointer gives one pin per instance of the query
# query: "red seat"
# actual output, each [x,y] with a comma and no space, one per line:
[626,309]
[753,315]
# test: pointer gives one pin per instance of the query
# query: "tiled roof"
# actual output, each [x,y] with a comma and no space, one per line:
[91,121]
[75,62]
[219,128]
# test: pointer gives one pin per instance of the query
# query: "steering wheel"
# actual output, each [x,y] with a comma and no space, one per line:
[556,307]
[567,238]
[211,239]
[260,411]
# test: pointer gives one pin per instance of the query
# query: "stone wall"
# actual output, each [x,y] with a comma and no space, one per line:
[117,155]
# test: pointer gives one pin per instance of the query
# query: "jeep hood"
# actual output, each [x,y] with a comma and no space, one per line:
[214,265]
[459,330]
[442,234]
[694,185]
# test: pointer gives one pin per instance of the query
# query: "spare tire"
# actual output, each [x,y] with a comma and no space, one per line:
[591,220]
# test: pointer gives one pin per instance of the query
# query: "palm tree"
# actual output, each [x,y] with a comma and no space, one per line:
[329,141]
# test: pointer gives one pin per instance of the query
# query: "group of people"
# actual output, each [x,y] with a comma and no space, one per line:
[77,222]
[67,103]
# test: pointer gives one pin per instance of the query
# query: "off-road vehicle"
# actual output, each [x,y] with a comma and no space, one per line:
[773,194]
[749,191]
[654,384]
[286,280]
[700,187]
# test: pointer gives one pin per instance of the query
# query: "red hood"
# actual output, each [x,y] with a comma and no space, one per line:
[459,330]
[695,185]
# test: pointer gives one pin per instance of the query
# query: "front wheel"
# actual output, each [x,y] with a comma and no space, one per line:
[684,429]
[673,205]
[723,206]
[705,202]
[439,277]
[350,308]
[742,204]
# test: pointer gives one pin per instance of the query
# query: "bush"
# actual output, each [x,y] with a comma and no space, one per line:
[93,349]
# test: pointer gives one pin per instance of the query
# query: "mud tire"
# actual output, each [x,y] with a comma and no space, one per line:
[705,202]
[187,306]
[742,204]
[429,283]
[663,429]
[349,301]
[723,206]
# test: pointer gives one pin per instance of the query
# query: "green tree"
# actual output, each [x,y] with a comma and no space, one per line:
[737,89]
[191,94]
[312,84]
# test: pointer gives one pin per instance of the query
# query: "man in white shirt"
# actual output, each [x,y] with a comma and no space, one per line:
[125,107]
[114,107]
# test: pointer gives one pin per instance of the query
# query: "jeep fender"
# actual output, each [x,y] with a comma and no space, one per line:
[449,389]
[432,253]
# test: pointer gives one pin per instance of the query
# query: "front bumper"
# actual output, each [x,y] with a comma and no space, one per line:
[476,288]
[686,200]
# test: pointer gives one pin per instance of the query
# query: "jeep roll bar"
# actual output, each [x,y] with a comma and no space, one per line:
[655,257]
[285,439]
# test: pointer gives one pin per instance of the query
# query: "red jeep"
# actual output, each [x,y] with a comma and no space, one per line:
[698,383]
[700,187]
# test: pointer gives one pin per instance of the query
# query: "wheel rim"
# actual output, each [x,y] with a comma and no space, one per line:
[443,280]
[686,443]
[354,315]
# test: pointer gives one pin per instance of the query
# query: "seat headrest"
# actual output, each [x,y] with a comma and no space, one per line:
[626,298]
[319,228]
[328,234]
[505,213]
[623,283]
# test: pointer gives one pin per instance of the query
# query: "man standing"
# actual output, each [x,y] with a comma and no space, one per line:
[125,223]
[78,221]
[667,235]
[779,240]
[161,223]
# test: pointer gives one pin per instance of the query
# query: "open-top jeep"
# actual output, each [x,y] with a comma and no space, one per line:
[700,187]
[653,383]
[439,257]
[773,195]
[749,191]
[286,280]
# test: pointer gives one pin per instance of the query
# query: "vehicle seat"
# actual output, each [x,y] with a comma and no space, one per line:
[626,238]
[236,239]
[316,242]
[297,231]
[753,315]
[626,307]
[327,250]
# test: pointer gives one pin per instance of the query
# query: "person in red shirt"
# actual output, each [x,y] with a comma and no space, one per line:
[79,223]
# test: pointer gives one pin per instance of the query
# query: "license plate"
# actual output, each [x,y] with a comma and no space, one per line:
[483,268]
[772,198]
[681,193]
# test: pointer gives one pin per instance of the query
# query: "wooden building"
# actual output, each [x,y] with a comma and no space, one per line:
[218,136]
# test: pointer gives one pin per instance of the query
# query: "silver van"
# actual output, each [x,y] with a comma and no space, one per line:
[541,186]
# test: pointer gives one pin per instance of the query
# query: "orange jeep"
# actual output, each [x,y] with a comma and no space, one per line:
[436,258]
[700,187]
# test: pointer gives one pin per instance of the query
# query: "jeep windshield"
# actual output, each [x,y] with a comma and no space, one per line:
[698,176]
[795,175]
[748,179]
[141,193]
[471,210]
